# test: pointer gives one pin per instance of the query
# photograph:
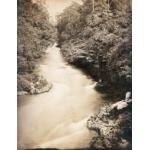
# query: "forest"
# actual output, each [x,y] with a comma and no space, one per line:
[95,37]
[35,34]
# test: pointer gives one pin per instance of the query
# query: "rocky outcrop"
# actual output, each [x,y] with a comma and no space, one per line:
[32,84]
[113,125]
[34,90]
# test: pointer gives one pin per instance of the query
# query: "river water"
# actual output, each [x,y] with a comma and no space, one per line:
[57,119]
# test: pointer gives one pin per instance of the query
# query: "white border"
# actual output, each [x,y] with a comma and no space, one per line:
[141,74]
[8,58]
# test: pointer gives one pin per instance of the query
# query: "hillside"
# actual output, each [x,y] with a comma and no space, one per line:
[35,34]
[97,38]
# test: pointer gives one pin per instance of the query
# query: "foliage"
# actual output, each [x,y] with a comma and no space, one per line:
[35,34]
[99,39]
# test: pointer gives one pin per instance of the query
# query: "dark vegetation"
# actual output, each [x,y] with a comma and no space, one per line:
[96,36]
[35,34]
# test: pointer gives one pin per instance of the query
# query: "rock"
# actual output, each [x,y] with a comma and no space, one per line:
[119,105]
[34,90]
[19,93]
[128,96]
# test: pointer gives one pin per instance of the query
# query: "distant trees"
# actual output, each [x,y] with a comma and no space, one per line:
[69,22]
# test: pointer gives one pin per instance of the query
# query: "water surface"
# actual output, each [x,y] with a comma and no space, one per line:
[57,119]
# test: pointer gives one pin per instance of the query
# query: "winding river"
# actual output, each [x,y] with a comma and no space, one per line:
[57,119]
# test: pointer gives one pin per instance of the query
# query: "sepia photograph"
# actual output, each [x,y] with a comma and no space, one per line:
[74,74]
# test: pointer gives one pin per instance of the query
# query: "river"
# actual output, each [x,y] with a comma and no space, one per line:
[57,119]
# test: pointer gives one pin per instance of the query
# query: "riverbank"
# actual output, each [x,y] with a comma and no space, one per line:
[34,35]
[58,118]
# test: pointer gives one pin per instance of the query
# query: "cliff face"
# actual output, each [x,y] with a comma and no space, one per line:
[97,37]
[35,34]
